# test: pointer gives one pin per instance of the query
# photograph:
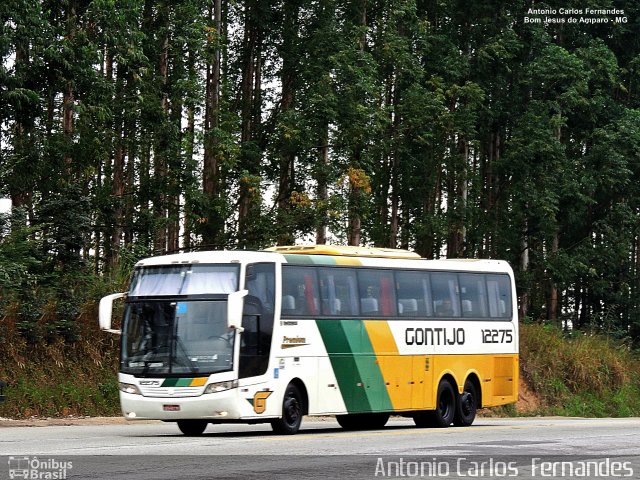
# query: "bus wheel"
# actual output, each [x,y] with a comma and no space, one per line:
[467,406]
[363,421]
[192,428]
[446,405]
[292,411]
[445,410]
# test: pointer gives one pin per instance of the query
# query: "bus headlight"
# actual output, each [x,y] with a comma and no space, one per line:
[129,388]
[221,386]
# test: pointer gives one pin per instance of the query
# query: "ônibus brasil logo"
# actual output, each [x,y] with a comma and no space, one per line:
[33,468]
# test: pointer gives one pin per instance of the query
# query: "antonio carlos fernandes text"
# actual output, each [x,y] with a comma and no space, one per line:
[491,468]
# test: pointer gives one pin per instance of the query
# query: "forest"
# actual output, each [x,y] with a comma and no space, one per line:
[131,128]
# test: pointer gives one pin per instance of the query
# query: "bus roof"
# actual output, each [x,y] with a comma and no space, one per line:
[329,255]
[345,251]
[209,257]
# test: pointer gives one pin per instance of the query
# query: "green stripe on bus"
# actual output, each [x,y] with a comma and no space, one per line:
[354,364]
[366,362]
[344,365]
[177,382]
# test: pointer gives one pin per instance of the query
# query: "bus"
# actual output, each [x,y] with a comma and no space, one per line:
[359,333]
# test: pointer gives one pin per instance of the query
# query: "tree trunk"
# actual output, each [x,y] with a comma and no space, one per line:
[213,229]
[395,164]
[286,181]
[354,228]
[20,196]
[457,201]
[322,190]
[190,164]
[68,99]
[524,267]
[249,201]
[162,147]
[552,299]
[175,187]
[131,144]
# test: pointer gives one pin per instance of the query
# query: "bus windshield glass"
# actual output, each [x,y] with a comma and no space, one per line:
[176,337]
[184,280]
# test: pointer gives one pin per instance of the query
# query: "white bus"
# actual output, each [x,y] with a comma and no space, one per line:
[360,333]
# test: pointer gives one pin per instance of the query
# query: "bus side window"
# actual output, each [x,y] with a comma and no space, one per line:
[413,299]
[499,294]
[377,292]
[261,284]
[446,294]
[310,292]
[299,291]
[473,294]
[339,292]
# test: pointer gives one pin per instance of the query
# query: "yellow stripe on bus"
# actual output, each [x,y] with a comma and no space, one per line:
[347,261]
[198,382]
[397,370]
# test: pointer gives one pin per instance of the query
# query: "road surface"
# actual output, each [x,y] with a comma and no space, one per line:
[491,448]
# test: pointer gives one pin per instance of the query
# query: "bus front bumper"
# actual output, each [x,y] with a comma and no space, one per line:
[218,406]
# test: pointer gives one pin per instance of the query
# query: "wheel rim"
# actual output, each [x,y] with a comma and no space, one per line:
[292,410]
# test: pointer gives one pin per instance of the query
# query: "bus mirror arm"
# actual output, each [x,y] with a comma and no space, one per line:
[105,310]
[234,309]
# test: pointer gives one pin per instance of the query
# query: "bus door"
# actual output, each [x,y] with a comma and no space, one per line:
[257,320]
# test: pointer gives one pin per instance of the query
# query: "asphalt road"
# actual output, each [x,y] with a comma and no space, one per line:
[491,448]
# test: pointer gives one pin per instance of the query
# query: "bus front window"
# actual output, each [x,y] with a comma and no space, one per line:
[176,337]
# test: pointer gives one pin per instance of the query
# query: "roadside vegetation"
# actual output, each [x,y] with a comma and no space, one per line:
[568,374]
[60,378]
[52,355]
[579,373]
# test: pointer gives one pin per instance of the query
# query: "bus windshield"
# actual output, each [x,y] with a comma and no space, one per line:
[176,337]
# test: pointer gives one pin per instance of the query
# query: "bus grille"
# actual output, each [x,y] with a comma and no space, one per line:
[171,392]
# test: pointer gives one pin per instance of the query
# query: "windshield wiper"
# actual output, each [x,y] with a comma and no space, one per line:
[192,366]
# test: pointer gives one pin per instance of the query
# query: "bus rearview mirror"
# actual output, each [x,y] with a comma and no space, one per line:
[234,308]
[105,310]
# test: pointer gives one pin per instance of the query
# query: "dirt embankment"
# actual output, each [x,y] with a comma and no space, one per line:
[528,401]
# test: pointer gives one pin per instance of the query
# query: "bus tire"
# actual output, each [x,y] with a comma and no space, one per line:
[446,402]
[445,411]
[363,421]
[192,428]
[292,411]
[467,406]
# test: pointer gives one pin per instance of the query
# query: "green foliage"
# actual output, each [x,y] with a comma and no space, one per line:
[478,136]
